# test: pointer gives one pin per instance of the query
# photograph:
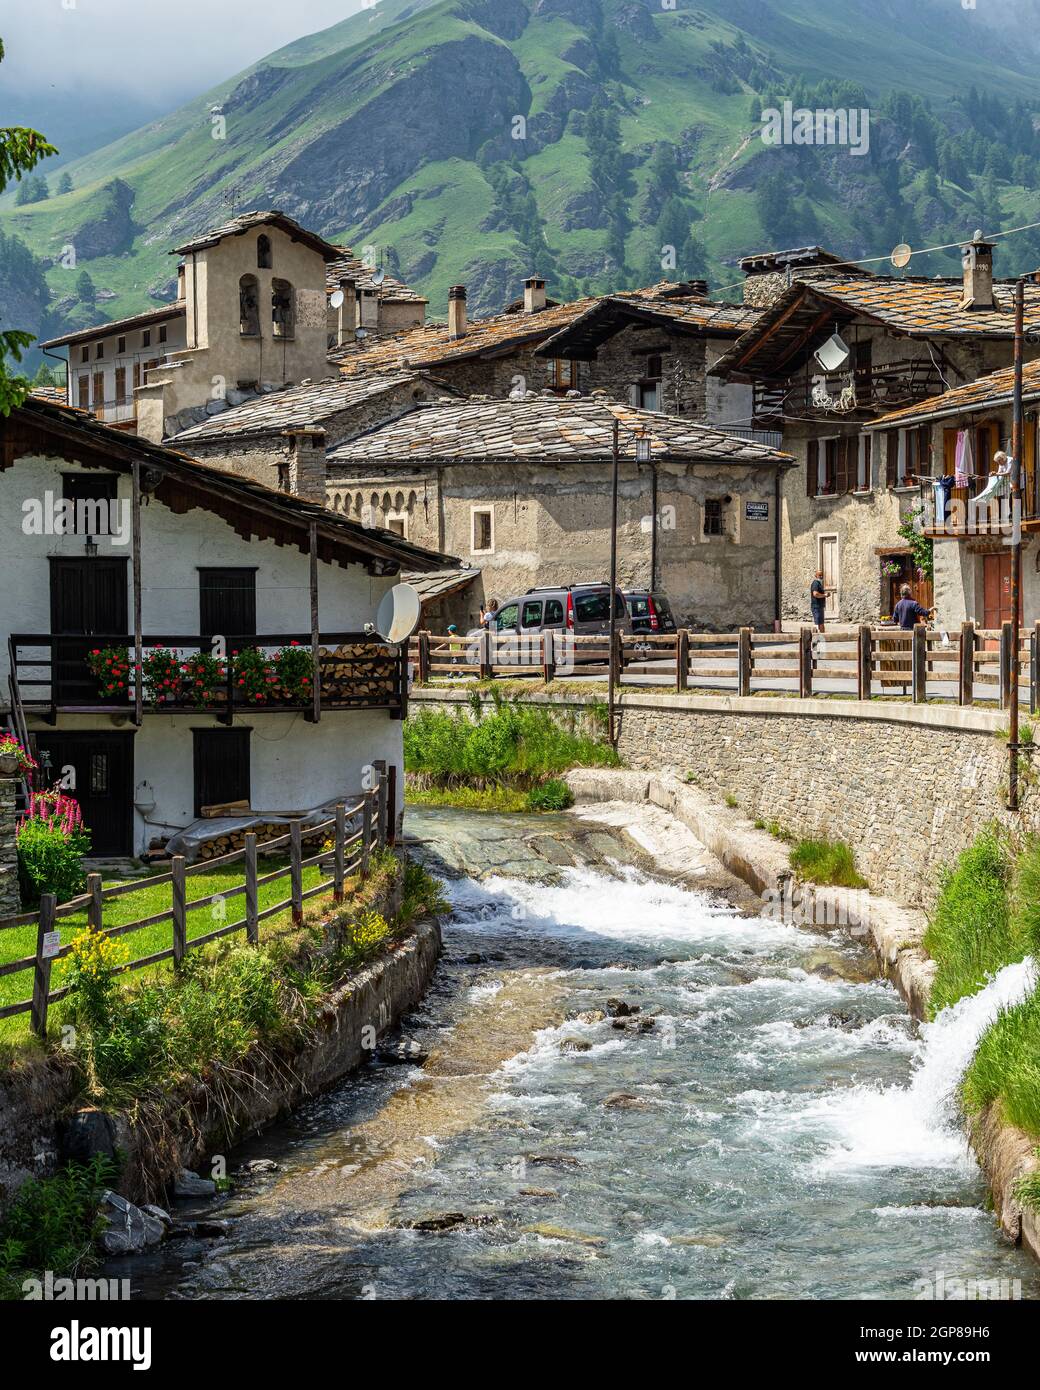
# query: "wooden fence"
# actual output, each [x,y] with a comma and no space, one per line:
[969,666]
[375,831]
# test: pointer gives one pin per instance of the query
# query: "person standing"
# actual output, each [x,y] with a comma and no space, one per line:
[818,601]
[908,612]
[488,614]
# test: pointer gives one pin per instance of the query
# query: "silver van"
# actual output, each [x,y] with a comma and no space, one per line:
[583,609]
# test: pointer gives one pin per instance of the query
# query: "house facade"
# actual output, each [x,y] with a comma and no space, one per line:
[114,545]
[835,349]
[520,489]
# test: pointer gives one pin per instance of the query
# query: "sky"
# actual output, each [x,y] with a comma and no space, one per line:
[152,51]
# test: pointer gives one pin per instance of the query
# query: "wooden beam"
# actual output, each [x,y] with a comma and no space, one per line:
[764,338]
[806,337]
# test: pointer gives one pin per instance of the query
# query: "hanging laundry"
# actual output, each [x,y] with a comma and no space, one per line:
[963,464]
[942,489]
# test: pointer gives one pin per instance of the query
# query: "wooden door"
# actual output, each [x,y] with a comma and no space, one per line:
[996,590]
[828,549]
[221,767]
[88,597]
[99,771]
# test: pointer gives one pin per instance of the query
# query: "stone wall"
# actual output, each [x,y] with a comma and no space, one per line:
[907,786]
[8,859]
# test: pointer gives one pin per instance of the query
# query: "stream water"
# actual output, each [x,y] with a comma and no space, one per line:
[782,1130]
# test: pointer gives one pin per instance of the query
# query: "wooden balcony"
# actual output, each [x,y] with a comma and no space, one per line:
[52,675]
[969,518]
[863,393]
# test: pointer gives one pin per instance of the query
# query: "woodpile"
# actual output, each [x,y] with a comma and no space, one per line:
[360,671]
[231,840]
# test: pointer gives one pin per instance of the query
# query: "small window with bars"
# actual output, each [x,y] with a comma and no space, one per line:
[713,516]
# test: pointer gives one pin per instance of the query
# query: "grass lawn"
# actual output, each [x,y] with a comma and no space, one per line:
[21,941]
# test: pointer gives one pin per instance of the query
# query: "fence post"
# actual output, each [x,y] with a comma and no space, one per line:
[919,663]
[42,966]
[682,659]
[381,808]
[94,907]
[423,672]
[486,666]
[966,683]
[391,805]
[339,871]
[744,661]
[180,908]
[252,919]
[366,834]
[548,656]
[1034,669]
[1008,653]
[296,871]
[865,662]
[805,663]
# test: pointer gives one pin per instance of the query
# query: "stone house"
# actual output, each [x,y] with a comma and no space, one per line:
[836,348]
[963,429]
[115,544]
[521,490]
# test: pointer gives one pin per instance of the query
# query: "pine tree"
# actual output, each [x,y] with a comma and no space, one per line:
[65,184]
[85,290]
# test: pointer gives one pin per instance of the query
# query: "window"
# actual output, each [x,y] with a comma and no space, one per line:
[830,467]
[162,333]
[282,315]
[120,385]
[594,608]
[99,391]
[263,252]
[137,375]
[553,611]
[507,617]
[482,540]
[864,463]
[146,338]
[221,766]
[653,367]
[84,354]
[99,774]
[531,615]
[713,516]
[85,488]
[99,351]
[249,306]
[120,345]
[918,454]
[397,524]
[563,374]
[227,602]
[649,394]
[83,390]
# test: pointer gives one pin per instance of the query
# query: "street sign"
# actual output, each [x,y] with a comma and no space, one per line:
[756,511]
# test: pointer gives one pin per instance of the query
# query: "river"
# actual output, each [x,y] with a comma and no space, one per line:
[770,1124]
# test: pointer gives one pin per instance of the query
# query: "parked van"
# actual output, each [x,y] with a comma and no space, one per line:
[650,611]
[583,609]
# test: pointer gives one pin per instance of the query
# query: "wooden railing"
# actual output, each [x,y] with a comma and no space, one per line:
[374,831]
[353,671]
[969,666]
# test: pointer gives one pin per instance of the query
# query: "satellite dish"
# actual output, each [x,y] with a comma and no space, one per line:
[399,613]
[833,354]
[901,255]
[336,299]
[378,276]
[360,333]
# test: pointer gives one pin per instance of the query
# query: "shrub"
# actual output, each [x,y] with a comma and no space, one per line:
[161,669]
[829,862]
[53,1224]
[1006,1067]
[972,934]
[294,668]
[204,676]
[554,795]
[51,842]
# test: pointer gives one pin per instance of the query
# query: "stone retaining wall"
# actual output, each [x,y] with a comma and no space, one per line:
[9,904]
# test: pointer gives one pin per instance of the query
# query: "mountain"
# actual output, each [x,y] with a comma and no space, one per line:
[476,141]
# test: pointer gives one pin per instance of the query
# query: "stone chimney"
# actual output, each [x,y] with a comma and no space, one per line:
[534,295]
[977,259]
[457,311]
[346,314]
[369,315]
[303,474]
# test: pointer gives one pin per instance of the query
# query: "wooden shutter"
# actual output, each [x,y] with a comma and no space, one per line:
[221,766]
[949,452]
[227,602]
[137,375]
[1029,466]
[892,459]
[83,388]
[99,391]
[120,384]
[843,473]
[812,467]
[924,449]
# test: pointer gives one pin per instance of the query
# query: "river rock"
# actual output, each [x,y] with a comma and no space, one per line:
[712,1240]
[538,1192]
[624,1100]
[589,1016]
[128,1229]
[633,1025]
[619,1008]
[260,1165]
[575,1045]
[160,1215]
[547,1232]
[831,965]
[554,1160]
[450,1221]
[189,1184]
[403,1052]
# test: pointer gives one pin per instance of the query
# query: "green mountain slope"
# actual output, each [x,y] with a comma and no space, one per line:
[473,141]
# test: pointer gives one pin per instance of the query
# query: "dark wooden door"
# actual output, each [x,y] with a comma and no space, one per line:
[99,769]
[996,590]
[88,597]
[221,766]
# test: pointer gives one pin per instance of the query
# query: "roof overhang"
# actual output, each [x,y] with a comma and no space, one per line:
[580,340]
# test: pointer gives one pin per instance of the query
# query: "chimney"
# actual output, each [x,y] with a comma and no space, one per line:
[977,259]
[369,308]
[303,473]
[346,314]
[180,281]
[534,295]
[457,311]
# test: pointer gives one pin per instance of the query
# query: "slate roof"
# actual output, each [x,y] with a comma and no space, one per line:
[298,407]
[347,266]
[542,428]
[986,393]
[173,310]
[246,221]
[688,313]
[439,583]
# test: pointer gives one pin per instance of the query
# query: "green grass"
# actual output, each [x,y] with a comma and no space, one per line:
[1027,1189]
[503,799]
[1006,1069]
[829,862]
[20,942]
[973,931]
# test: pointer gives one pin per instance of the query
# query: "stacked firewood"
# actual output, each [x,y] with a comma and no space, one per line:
[230,840]
[358,670]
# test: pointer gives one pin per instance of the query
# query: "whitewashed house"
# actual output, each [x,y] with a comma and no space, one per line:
[108,542]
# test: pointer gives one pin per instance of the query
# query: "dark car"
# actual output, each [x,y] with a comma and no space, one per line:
[650,612]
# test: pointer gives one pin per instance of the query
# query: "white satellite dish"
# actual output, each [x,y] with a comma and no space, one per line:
[336,299]
[399,613]
[833,354]
[901,255]
[378,276]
